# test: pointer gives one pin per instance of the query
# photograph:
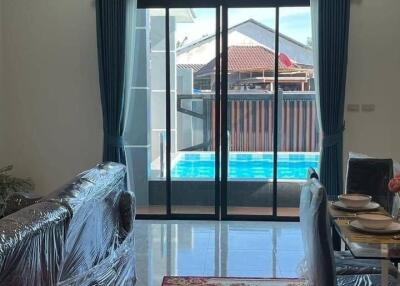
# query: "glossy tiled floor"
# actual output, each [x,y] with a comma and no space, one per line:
[155,209]
[211,248]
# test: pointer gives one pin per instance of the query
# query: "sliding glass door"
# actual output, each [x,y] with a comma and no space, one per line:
[192,111]
[297,129]
[227,107]
[175,170]
[250,110]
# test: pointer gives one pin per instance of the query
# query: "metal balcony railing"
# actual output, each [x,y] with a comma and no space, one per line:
[251,121]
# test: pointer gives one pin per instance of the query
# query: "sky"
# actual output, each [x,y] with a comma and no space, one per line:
[295,22]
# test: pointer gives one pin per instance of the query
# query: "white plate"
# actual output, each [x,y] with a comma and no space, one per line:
[369,207]
[394,227]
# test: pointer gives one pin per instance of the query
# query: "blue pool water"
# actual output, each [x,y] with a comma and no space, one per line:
[291,166]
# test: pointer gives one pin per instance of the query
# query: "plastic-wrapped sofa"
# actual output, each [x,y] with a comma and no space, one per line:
[81,234]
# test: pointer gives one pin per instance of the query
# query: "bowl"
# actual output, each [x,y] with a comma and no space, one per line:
[374,220]
[355,200]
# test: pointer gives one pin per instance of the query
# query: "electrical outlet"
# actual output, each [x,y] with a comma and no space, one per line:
[367,107]
[353,107]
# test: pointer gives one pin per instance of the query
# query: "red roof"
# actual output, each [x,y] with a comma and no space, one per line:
[249,58]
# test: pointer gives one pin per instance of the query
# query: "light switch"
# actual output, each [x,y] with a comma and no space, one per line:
[368,107]
[353,107]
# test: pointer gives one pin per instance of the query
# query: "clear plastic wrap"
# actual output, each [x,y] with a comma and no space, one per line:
[319,264]
[322,266]
[82,234]
[19,200]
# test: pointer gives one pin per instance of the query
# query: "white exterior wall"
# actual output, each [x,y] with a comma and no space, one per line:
[201,54]
[184,121]
[157,82]
[246,34]
[267,38]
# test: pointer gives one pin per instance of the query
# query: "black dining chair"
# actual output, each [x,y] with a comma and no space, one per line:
[371,177]
[320,261]
[312,173]
[344,260]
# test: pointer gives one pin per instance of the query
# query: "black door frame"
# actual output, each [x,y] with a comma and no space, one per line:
[221,103]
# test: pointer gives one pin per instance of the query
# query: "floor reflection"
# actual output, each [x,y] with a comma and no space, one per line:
[199,248]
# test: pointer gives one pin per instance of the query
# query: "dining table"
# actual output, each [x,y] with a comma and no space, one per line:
[362,245]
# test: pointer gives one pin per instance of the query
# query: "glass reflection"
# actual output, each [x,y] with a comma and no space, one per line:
[251,249]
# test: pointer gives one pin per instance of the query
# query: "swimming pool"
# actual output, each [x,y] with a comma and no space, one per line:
[245,165]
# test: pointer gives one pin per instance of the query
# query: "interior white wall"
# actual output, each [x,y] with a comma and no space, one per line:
[51,80]
[50,115]
[373,78]
[3,103]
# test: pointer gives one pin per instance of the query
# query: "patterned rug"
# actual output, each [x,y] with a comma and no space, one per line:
[219,281]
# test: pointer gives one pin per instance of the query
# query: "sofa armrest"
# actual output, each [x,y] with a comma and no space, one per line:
[127,213]
[31,244]
[19,200]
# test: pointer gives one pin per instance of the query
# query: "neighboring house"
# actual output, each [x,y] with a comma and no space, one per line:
[252,68]
[250,60]
[251,77]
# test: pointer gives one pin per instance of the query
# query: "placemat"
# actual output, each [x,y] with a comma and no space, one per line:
[360,237]
[334,212]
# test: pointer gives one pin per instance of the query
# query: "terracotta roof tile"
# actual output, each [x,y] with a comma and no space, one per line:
[248,58]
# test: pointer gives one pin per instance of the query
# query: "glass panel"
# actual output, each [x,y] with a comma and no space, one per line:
[298,131]
[192,37]
[251,44]
[146,151]
[242,241]
[366,245]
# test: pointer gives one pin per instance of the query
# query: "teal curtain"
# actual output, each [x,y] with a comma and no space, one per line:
[330,22]
[111,26]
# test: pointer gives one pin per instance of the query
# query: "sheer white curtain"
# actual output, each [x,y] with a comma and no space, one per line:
[315,39]
[131,12]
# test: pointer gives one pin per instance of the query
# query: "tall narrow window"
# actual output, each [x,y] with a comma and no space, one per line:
[193,111]
[298,131]
[147,158]
[250,102]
